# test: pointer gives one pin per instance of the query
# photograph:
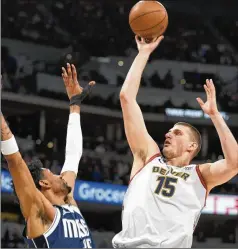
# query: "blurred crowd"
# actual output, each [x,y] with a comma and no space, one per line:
[188,38]
[20,76]
[228,27]
[96,28]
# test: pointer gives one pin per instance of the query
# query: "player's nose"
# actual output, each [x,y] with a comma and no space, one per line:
[168,135]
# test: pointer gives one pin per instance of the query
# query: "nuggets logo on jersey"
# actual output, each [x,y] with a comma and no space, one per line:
[164,171]
[68,229]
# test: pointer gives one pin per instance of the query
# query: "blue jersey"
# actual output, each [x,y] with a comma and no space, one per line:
[68,230]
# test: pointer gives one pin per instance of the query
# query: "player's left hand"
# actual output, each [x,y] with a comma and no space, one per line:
[146,47]
[210,106]
[71,82]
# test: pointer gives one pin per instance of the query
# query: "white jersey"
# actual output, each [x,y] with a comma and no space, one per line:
[161,207]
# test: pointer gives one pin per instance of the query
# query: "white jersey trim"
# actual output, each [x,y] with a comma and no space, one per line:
[34,243]
[152,158]
[54,224]
[201,177]
[47,242]
[72,208]
[202,182]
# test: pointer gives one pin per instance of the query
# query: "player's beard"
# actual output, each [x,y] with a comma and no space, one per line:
[168,153]
[66,188]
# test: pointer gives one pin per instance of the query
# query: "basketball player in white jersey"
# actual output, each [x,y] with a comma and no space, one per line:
[166,194]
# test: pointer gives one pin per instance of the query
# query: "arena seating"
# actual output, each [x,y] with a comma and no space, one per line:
[192,41]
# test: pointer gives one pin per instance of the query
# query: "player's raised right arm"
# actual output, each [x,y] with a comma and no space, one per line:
[26,190]
[140,142]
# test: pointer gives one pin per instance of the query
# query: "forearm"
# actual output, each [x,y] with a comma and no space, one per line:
[132,81]
[9,147]
[228,142]
[19,171]
[74,141]
[5,130]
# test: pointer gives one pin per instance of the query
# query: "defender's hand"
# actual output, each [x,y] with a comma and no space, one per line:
[71,82]
[210,106]
[148,47]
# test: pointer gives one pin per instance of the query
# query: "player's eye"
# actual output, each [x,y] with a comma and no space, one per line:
[178,133]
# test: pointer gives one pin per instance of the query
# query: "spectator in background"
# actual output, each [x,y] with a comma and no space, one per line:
[155,80]
[9,66]
[25,74]
[168,80]
[97,175]
[106,175]
[122,168]
[116,177]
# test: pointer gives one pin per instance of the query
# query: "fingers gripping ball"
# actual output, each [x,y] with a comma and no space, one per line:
[148,19]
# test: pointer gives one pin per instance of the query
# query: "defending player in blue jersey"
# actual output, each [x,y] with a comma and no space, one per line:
[53,219]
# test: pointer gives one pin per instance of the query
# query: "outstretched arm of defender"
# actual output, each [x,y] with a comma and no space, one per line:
[221,171]
[27,193]
[140,142]
[74,140]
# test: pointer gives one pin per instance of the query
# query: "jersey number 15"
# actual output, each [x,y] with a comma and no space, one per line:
[166,186]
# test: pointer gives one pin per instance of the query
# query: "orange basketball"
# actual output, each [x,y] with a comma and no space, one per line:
[148,19]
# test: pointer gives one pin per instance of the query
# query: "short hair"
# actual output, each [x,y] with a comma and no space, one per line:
[36,170]
[196,135]
[35,167]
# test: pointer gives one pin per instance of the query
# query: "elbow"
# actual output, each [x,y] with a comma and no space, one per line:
[124,97]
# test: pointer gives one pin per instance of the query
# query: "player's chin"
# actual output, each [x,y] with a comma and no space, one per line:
[67,189]
[167,152]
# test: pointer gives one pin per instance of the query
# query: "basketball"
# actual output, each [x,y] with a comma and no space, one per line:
[148,19]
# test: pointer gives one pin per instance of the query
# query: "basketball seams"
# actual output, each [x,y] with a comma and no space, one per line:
[141,30]
[140,19]
[144,14]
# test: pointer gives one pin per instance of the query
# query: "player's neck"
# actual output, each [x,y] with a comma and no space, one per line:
[178,161]
[54,199]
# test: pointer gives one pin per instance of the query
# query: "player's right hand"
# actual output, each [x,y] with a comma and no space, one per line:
[148,47]
[71,82]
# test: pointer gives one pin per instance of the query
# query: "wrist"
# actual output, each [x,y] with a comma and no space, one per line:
[9,147]
[144,53]
[74,109]
[215,114]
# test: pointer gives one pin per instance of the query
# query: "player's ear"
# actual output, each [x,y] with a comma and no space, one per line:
[45,184]
[192,146]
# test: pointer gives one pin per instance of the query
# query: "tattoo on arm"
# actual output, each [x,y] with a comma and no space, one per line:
[5,130]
